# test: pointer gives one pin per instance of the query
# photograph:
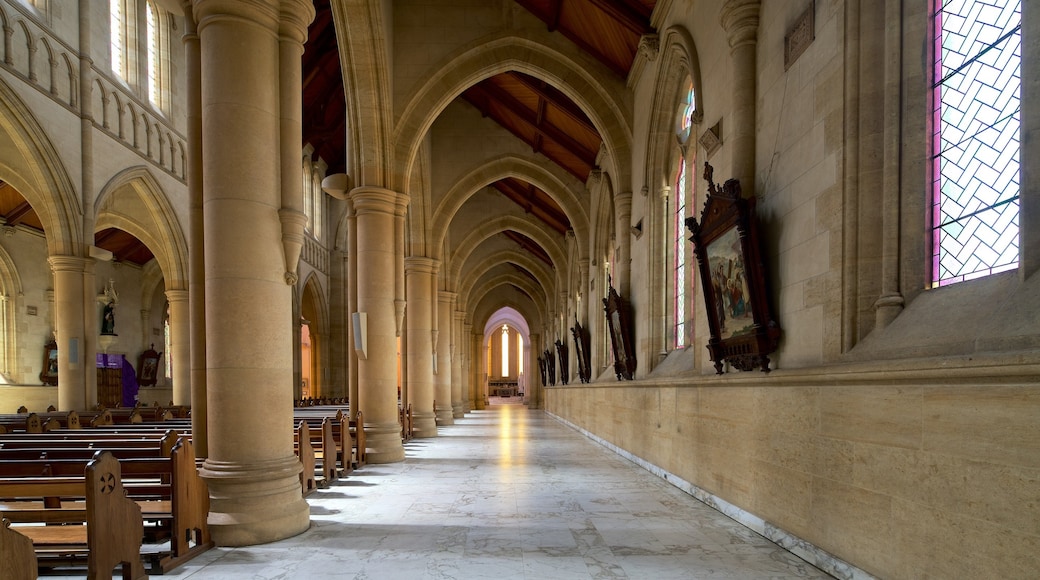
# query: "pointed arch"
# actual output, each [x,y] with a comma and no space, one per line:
[485,230]
[556,183]
[134,202]
[10,293]
[29,162]
[314,309]
[542,274]
[594,91]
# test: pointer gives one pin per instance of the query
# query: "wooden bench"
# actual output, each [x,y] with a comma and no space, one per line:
[159,473]
[106,530]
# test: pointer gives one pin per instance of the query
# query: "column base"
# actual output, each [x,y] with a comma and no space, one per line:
[480,405]
[384,443]
[425,424]
[445,416]
[458,410]
[255,503]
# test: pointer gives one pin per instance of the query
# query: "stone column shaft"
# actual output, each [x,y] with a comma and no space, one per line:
[196,258]
[740,21]
[458,396]
[377,371]
[180,346]
[442,379]
[70,331]
[252,470]
[418,274]
[476,366]
[353,392]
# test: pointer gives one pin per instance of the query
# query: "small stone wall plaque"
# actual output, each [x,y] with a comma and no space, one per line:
[800,36]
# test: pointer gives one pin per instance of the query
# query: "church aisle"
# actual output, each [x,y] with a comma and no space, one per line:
[507,493]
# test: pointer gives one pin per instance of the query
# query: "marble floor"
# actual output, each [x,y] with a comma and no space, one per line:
[507,492]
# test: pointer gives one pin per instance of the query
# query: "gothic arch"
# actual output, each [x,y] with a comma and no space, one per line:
[554,183]
[134,202]
[468,244]
[483,58]
[543,275]
[30,163]
[10,296]
[526,285]
[313,308]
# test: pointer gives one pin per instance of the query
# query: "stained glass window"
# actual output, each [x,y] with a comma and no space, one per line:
[682,192]
[152,31]
[117,36]
[976,114]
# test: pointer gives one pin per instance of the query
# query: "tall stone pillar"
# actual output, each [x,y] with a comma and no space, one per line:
[476,373]
[442,378]
[535,386]
[377,369]
[251,470]
[196,257]
[458,396]
[623,267]
[468,386]
[70,330]
[418,274]
[180,346]
[740,21]
[353,389]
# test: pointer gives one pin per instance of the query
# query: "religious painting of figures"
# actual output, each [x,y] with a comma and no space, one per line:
[730,286]
[733,279]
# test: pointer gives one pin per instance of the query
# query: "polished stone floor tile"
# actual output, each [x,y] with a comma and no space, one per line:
[506,493]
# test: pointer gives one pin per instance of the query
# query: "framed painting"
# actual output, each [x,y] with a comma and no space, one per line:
[565,366]
[620,330]
[581,351]
[49,372]
[733,279]
[148,367]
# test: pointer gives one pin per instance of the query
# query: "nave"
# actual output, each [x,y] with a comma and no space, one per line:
[506,492]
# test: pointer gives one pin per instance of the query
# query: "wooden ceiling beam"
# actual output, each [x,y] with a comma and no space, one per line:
[623,13]
[14,217]
[528,200]
[531,246]
[556,99]
[529,117]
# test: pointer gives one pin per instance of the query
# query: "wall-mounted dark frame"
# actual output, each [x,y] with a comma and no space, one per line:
[733,278]
[49,371]
[148,367]
[550,366]
[565,361]
[620,329]
[541,369]
[581,351]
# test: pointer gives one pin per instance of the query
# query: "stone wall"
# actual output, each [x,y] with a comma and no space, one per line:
[900,470]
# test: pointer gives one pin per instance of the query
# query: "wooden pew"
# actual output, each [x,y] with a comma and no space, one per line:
[106,531]
[304,450]
[171,494]
[17,557]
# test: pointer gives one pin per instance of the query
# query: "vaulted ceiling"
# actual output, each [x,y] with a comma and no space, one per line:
[534,111]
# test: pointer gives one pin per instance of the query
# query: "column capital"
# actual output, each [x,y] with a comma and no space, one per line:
[367,199]
[446,297]
[420,265]
[623,203]
[297,15]
[177,295]
[739,18]
[69,263]
[262,12]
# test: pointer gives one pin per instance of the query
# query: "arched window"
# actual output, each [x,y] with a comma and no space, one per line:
[120,34]
[158,55]
[681,197]
[976,111]
[505,351]
[317,204]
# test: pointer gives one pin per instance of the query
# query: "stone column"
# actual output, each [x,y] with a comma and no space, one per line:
[535,386]
[458,396]
[377,370]
[442,379]
[339,323]
[890,303]
[252,470]
[476,339]
[179,346]
[70,330]
[418,274]
[353,391]
[468,386]
[623,267]
[196,257]
[740,21]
